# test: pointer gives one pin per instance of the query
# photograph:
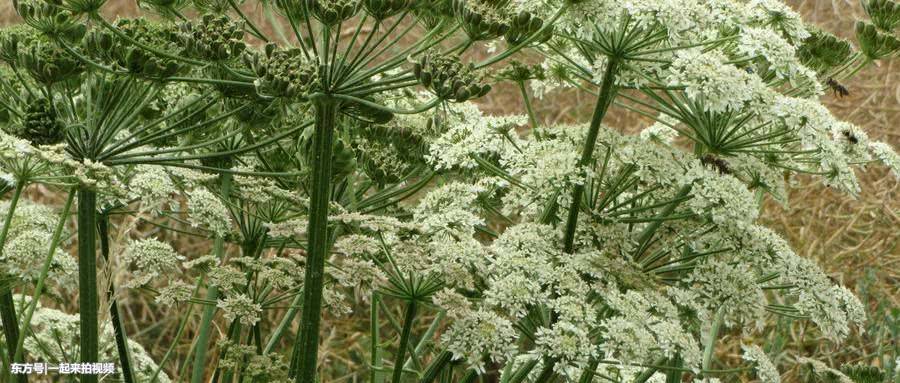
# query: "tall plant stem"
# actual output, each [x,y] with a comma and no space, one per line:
[437,365]
[404,340]
[212,294]
[114,313]
[88,299]
[713,334]
[604,100]
[305,354]
[7,306]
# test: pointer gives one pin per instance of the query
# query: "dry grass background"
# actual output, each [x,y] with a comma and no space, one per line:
[855,240]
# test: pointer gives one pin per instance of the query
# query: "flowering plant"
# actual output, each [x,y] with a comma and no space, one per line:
[332,161]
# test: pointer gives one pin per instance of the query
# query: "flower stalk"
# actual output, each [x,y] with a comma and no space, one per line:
[7,306]
[605,98]
[410,317]
[88,298]
[212,294]
[305,353]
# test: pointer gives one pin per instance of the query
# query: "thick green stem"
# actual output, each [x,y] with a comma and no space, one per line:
[88,299]
[404,340]
[212,294]
[305,354]
[469,377]
[7,306]
[437,365]
[547,374]
[604,100]
[114,314]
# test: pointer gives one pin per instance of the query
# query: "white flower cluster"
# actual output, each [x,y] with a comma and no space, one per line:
[207,210]
[150,259]
[765,369]
[240,307]
[54,327]
[469,133]
[28,244]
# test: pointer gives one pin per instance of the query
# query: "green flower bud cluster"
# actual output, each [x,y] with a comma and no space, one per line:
[525,25]
[121,53]
[11,39]
[47,63]
[382,9]
[429,13]
[378,150]
[40,124]
[822,51]
[449,78]
[216,7]
[885,14]
[84,6]
[517,71]
[480,19]
[50,18]
[875,44]
[283,72]
[331,12]
[213,38]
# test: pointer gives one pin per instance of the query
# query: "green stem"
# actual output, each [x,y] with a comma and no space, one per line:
[404,340]
[437,365]
[604,99]
[212,294]
[114,314]
[88,299]
[7,305]
[648,373]
[531,115]
[546,375]
[650,230]
[587,376]
[469,377]
[305,353]
[713,334]
[376,340]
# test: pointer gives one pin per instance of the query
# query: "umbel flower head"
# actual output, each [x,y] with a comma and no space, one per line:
[382,9]
[449,79]
[331,12]
[282,72]
[523,26]
[119,53]
[875,44]
[41,125]
[213,38]
[47,63]
[823,50]
[51,18]
[885,14]
[482,19]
